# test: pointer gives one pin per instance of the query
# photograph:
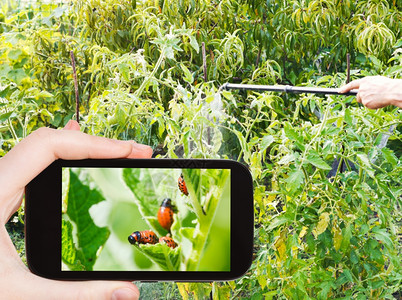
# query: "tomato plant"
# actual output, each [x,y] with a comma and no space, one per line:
[326,170]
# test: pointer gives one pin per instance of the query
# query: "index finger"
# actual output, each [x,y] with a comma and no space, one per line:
[38,150]
[355,84]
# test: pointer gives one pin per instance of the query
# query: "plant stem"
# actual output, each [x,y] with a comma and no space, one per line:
[147,79]
[339,166]
[257,60]
[348,68]
[248,133]
[10,125]
[324,120]
[77,100]
[204,61]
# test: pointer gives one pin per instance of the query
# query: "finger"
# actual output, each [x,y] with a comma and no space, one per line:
[72,125]
[18,283]
[140,151]
[96,290]
[35,287]
[33,154]
[355,84]
[358,98]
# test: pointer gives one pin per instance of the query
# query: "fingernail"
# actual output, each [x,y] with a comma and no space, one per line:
[72,125]
[68,125]
[124,294]
[142,146]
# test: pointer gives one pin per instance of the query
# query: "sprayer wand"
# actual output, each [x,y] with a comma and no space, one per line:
[285,88]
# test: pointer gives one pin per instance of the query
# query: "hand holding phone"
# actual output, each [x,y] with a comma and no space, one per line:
[142,219]
[17,169]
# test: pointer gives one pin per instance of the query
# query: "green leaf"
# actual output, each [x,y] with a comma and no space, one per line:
[124,70]
[377,284]
[14,54]
[348,275]
[242,140]
[318,162]
[295,179]
[69,253]
[390,156]
[82,194]
[266,141]
[59,11]
[144,185]
[209,192]
[325,289]
[347,234]
[194,43]
[293,135]
[68,250]
[64,189]
[43,94]
[17,75]
[6,116]
[169,53]
[286,159]
[278,221]
[383,236]
[353,257]
[364,161]
[348,117]
[188,77]
[398,44]
[166,258]
[217,140]
[4,70]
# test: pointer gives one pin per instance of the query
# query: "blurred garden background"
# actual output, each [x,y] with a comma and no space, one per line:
[102,207]
[150,70]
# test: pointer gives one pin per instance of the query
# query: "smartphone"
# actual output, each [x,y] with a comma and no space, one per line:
[140,219]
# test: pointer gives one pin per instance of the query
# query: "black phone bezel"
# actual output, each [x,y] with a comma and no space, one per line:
[43,221]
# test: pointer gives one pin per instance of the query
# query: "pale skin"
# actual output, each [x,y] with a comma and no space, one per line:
[376,91]
[17,168]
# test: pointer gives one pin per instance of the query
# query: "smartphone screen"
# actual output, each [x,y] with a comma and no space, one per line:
[140,219]
[145,219]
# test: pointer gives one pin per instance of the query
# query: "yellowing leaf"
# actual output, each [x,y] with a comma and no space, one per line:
[322,224]
[280,246]
[295,251]
[270,198]
[262,280]
[282,251]
[337,237]
[274,184]
[183,289]
[303,232]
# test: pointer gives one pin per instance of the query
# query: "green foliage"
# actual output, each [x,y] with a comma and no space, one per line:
[208,190]
[144,185]
[200,228]
[15,229]
[158,290]
[141,76]
[79,250]
[323,234]
[166,258]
